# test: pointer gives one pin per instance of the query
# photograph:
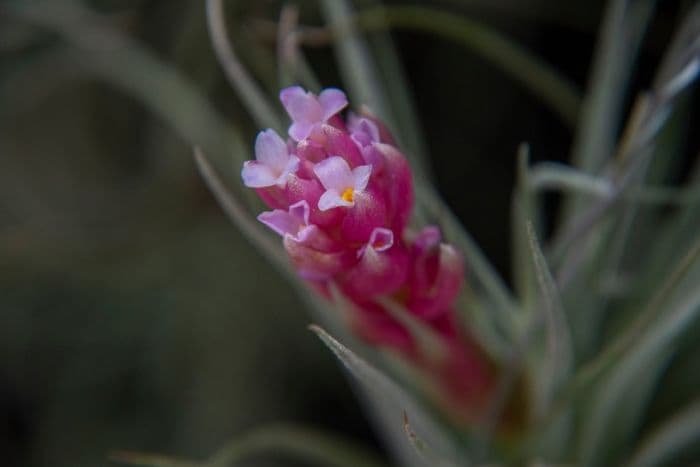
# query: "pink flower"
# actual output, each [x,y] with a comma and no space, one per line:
[341,183]
[273,162]
[341,195]
[292,222]
[295,225]
[363,130]
[307,110]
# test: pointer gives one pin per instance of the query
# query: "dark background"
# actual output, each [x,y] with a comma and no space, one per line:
[132,314]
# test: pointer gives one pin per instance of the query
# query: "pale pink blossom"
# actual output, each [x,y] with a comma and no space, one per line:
[307,110]
[273,163]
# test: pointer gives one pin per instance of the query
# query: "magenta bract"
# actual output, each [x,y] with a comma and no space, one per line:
[341,196]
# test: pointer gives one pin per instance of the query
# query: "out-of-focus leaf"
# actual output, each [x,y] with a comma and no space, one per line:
[654,312]
[426,337]
[680,231]
[125,63]
[410,136]
[622,31]
[359,71]
[293,66]
[524,209]
[303,443]
[149,460]
[681,431]
[543,81]
[649,115]
[647,345]
[248,90]
[240,216]
[423,450]
[273,251]
[311,445]
[559,353]
[355,60]
[680,65]
[555,176]
[396,402]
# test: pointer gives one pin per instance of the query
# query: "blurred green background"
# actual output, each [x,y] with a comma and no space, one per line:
[132,314]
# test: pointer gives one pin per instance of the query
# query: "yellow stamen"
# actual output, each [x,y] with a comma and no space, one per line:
[348,195]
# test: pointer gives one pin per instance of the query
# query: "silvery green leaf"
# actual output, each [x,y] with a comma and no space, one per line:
[311,445]
[644,349]
[545,82]
[355,60]
[665,442]
[622,31]
[149,460]
[558,358]
[427,339]
[423,449]
[303,443]
[130,66]
[263,112]
[524,208]
[395,401]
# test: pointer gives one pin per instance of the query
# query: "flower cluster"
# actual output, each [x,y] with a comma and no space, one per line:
[341,195]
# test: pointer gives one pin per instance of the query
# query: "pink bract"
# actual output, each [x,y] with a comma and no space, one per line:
[341,195]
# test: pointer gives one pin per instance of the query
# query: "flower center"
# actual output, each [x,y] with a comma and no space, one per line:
[348,195]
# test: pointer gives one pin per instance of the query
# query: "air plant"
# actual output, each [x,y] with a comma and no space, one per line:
[536,382]
[499,376]
[560,370]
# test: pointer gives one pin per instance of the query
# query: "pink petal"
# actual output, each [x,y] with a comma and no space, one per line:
[334,173]
[290,168]
[384,133]
[302,106]
[373,157]
[315,238]
[362,130]
[271,150]
[381,239]
[428,238]
[331,199]
[360,176]
[256,175]
[299,131]
[280,221]
[332,101]
[300,211]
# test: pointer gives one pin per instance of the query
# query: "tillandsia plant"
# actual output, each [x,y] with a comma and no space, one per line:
[559,371]
[589,359]
[341,195]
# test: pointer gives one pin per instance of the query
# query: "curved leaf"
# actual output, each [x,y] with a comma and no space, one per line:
[395,401]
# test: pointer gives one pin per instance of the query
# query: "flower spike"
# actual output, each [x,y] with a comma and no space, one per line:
[341,194]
